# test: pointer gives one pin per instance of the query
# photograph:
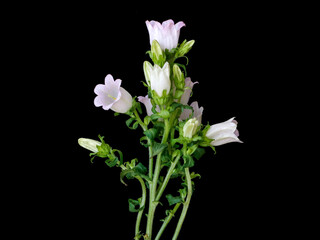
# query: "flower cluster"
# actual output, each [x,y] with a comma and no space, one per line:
[172,127]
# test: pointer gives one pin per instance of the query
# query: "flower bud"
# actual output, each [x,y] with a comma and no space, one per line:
[157,54]
[178,77]
[184,48]
[89,144]
[190,128]
[147,67]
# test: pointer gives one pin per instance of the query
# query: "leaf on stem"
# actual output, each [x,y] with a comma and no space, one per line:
[158,148]
[173,200]
[133,204]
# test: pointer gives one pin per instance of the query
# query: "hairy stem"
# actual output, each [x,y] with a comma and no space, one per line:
[168,176]
[185,205]
[142,204]
[153,188]
[167,220]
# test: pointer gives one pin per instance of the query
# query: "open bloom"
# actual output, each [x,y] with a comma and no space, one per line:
[167,33]
[224,132]
[111,95]
[158,78]
[196,110]
[147,103]
[187,92]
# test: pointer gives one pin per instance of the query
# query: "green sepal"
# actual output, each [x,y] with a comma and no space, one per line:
[103,150]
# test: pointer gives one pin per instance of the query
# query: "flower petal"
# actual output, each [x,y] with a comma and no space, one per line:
[179,25]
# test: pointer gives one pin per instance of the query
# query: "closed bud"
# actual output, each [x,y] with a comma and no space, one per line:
[178,77]
[147,68]
[157,54]
[184,48]
[89,144]
[190,128]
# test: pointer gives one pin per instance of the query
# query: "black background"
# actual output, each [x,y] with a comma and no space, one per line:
[238,195]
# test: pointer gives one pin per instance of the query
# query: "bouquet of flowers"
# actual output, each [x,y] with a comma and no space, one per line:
[172,130]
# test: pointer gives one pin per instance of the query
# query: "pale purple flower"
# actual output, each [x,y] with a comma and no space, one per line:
[196,110]
[147,103]
[111,96]
[167,33]
[186,95]
[224,132]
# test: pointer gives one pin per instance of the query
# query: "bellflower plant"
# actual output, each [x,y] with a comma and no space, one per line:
[172,132]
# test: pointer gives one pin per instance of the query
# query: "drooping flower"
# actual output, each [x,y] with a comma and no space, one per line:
[190,128]
[224,132]
[158,78]
[196,110]
[111,96]
[167,33]
[186,95]
[147,103]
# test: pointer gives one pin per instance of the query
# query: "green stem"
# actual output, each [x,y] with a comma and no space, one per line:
[145,128]
[185,205]
[168,176]
[167,220]
[142,204]
[153,188]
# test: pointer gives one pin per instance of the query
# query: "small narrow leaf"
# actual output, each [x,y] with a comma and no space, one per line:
[173,200]
[133,204]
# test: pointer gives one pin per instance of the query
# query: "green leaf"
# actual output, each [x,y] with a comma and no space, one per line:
[188,161]
[158,148]
[194,175]
[151,133]
[198,153]
[176,105]
[123,174]
[140,169]
[142,139]
[129,122]
[173,200]
[134,205]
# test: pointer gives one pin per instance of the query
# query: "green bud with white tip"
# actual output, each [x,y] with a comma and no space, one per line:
[190,128]
[157,55]
[89,144]
[184,48]
[178,77]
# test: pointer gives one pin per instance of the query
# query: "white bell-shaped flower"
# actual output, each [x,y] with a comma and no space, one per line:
[224,132]
[158,78]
